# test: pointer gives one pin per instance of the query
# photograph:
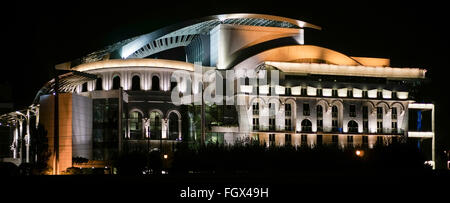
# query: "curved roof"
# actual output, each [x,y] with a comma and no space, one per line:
[68,81]
[292,53]
[181,34]
[114,63]
[289,59]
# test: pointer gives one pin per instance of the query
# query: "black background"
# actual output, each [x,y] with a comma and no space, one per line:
[38,35]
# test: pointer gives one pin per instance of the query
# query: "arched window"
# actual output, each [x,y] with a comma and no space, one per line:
[173,126]
[306,126]
[319,118]
[98,84]
[136,83]
[155,125]
[135,125]
[352,126]
[319,111]
[116,82]
[334,111]
[155,83]
[84,87]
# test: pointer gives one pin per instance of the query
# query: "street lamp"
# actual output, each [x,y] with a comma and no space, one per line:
[359,153]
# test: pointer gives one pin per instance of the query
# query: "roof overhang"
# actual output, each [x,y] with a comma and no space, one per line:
[117,63]
[344,70]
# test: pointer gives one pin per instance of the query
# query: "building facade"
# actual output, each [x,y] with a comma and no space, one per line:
[120,98]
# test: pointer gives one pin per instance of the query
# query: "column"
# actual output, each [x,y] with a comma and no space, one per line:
[164,128]
[179,129]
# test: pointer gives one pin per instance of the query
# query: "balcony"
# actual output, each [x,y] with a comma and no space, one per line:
[272,128]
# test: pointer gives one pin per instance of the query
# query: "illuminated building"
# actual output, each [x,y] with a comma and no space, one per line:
[119,98]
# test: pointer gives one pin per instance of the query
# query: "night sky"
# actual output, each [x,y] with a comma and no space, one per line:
[40,35]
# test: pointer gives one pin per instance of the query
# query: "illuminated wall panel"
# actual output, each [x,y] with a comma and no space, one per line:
[311,91]
[279,89]
[372,93]
[387,94]
[342,92]
[296,90]
[327,92]
[357,93]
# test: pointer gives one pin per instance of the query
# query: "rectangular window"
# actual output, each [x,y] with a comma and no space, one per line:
[334,93]
[334,139]
[379,112]
[352,110]
[255,123]
[350,139]
[394,95]
[365,112]
[319,92]
[394,127]
[365,140]
[287,139]
[334,125]
[288,124]
[320,125]
[306,109]
[366,126]
[304,92]
[394,113]
[334,112]
[272,124]
[379,140]
[365,94]
[272,139]
[349,92]
[304,140]
[255,108]
[134,120]
[319,140]
[287,109]
[288,91]
[379,127]
[380,94]
[319,111]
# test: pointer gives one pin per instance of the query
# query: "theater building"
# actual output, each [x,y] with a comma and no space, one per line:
[119,98]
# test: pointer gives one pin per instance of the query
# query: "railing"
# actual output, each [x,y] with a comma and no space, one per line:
[308,129]
[278,128]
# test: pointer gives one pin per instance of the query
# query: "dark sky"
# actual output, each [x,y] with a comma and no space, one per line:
[40,35]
